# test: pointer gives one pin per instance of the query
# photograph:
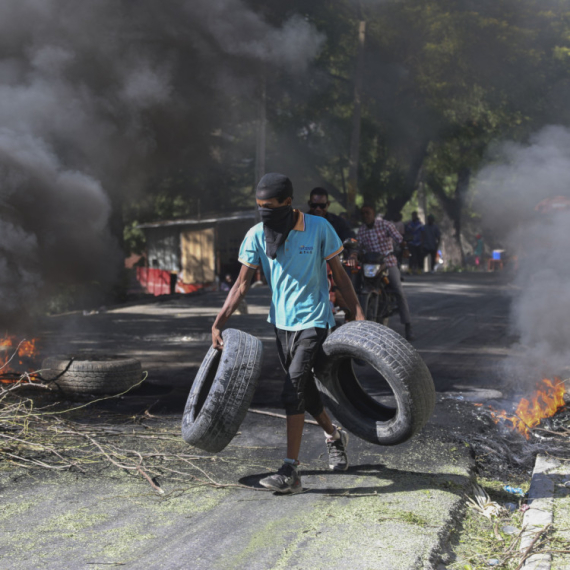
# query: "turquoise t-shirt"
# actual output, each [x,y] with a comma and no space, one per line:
[298,275]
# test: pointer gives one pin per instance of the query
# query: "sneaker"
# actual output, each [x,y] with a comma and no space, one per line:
[285,481]
[338,461]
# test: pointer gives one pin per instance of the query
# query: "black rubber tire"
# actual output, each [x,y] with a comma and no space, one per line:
[369,304]
[398,363]
[222,392]
[384,311]
[92,374]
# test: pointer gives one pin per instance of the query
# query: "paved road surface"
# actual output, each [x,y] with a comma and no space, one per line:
[393,509]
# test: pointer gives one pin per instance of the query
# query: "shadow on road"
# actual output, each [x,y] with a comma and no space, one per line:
[390,481]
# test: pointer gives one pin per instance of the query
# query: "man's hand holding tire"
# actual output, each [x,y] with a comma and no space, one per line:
[217,341]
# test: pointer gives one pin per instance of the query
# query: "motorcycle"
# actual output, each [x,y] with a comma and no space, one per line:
[371,283]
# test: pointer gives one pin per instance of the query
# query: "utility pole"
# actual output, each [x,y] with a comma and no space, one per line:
[355,137]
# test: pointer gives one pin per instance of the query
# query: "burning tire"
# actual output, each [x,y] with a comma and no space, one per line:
[397,362]
[222,392]
[92,374]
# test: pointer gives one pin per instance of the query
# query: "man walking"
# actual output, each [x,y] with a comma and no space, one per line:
[431,236]
[376,236]
[293,250]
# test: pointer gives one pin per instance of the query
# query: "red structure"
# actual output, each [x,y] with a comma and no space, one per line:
[183,256]
[161,282]
[154,281]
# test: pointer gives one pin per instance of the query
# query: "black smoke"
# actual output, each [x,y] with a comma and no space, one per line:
[94,98]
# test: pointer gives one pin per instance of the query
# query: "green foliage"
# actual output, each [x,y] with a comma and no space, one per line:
[133,238]
[443,79]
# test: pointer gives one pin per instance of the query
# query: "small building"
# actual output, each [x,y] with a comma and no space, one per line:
[186,255]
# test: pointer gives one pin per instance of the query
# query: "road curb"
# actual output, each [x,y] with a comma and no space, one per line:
[540,513]
[441,551]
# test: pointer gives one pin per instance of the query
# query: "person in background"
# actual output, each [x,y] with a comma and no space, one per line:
[319,206]
[431,236]
[227,283]
[478,250]
[344,216]
[376,236]
[399,224]
[414,229]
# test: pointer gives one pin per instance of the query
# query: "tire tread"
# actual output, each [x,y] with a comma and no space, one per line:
[230,395]
[92,377]
[401,365]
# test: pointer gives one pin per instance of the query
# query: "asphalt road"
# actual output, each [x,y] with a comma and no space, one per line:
[459,320]
[393,509]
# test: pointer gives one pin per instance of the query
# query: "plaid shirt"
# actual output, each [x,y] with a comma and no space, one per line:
[379,239]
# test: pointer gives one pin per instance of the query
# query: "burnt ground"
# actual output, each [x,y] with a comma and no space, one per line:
[394,508]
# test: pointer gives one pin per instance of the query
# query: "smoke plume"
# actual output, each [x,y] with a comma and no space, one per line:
[95,95]
[510,191]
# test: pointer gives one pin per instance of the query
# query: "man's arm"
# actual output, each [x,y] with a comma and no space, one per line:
[352,260]
[343,282]
[234,298]
[396,235]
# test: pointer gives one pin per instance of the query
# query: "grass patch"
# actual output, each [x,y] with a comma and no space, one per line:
[482,543]
[411,518]
[482,540]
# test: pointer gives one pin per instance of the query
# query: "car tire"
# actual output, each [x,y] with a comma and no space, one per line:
[396,361]
[369,303]
[91,374]
[222,392]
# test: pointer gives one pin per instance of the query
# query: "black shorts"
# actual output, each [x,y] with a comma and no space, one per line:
[297,352]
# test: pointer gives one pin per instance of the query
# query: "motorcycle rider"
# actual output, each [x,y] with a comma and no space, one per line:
[376,235]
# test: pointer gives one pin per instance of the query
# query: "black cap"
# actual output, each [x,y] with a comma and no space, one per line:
[274,185]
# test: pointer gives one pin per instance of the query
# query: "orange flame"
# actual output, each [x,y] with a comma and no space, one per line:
[13,352]
[547,399]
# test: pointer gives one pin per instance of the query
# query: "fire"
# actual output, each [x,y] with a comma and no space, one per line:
[14,352]
[547,399]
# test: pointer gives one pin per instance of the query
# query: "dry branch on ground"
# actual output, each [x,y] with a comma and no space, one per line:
[58,436]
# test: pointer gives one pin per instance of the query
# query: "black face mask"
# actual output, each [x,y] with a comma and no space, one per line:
[277,223]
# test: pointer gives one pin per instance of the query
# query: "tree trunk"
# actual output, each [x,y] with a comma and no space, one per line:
[461,188]
[453,207]
[414,178]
